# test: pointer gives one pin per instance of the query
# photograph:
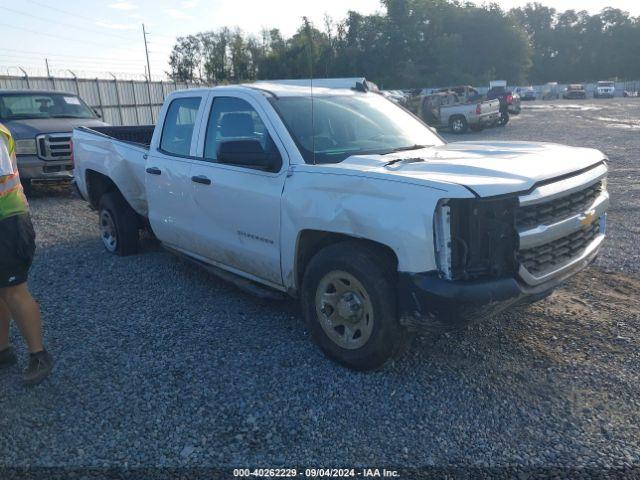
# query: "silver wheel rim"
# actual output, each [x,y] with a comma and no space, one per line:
[108,231]
[457,125]
[344,310]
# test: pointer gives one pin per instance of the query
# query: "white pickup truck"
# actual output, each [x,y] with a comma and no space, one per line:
[362,211]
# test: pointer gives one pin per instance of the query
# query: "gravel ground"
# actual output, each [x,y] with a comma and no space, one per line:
[161,364]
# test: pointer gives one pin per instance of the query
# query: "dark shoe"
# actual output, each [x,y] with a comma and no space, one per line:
[40,366]
[7,357]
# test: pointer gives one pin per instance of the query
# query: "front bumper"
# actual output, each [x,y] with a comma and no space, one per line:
[32,167]
[429,303]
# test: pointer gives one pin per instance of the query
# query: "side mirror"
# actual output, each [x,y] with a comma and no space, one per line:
[249,153]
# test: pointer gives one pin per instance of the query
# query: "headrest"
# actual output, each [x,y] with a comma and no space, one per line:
[237,124]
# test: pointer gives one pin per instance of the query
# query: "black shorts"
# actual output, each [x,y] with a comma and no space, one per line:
[17,246]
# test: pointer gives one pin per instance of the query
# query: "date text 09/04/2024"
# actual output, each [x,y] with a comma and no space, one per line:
[315,473]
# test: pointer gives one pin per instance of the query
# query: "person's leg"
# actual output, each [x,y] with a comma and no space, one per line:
[5,322]
[26,314]
[7,355]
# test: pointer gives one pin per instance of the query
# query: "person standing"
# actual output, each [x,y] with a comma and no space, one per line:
[17,246]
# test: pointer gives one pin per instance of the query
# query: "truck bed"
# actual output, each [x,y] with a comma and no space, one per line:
[140,135]
[118,153]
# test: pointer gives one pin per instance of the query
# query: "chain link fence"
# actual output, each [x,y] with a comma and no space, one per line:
[119,102]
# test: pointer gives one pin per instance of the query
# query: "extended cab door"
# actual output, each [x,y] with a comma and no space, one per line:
[168,168]
[236,202]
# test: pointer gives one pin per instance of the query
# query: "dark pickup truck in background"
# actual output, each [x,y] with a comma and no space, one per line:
[41,123]
[509,101]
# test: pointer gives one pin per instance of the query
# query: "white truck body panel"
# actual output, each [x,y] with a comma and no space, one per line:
[249,222]
[122,162]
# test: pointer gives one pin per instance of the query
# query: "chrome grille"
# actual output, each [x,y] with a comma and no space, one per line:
[54,146]
[561,225]
[552,255]
[557,209]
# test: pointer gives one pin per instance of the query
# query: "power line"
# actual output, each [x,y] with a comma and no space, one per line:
[94,60]
[48,20]
[75,40]
[73,14]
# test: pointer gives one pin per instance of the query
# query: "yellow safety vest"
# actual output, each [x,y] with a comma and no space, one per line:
[12,199]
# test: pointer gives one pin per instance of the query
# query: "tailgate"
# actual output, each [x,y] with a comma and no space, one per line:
[490,106]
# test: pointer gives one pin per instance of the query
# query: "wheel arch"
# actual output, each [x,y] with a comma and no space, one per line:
[310,242]
[98,184]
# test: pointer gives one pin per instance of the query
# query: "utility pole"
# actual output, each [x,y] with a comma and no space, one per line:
[146,51]
[46,61]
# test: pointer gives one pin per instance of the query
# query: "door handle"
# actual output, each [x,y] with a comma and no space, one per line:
[201,179]
[154,171]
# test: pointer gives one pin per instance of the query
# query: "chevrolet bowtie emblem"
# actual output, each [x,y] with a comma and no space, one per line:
[588,218]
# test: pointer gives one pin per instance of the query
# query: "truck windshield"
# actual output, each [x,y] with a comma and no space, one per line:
[345,125]
[18,106]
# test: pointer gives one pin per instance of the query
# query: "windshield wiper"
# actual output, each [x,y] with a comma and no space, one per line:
[404,149]
[403,160]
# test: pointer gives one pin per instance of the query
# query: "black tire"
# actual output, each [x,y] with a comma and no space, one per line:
[124,228]
[26,186]
[504,119]
[458,124]
[386,336]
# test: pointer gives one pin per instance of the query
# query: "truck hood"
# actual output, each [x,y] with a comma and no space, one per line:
[486,168]
[29,128]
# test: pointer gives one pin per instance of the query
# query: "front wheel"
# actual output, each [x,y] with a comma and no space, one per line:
[349,305]
[504,119]
[119,225]
[26,186]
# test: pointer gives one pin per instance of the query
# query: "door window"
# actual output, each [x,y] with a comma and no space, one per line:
[178,126]
[234,119]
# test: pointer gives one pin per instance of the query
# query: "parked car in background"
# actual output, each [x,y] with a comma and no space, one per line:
[445,110]
[397,96]
[41,123]
[605,89]
[527,94]
[465,93]
[509,101]
[551,91]
[574,91]
[367,216]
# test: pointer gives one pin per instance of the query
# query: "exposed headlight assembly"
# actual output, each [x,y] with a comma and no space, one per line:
[442,233]
[475,238]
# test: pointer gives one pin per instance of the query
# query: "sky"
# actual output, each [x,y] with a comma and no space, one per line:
[95,37]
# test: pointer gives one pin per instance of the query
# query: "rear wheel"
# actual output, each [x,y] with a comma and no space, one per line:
[458,124]
[349,304]
[504,119]
[119,225]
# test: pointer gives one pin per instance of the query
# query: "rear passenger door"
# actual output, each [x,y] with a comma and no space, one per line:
[236,207]
[168,168]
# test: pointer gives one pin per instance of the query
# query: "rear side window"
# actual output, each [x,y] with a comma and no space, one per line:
[178,126]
